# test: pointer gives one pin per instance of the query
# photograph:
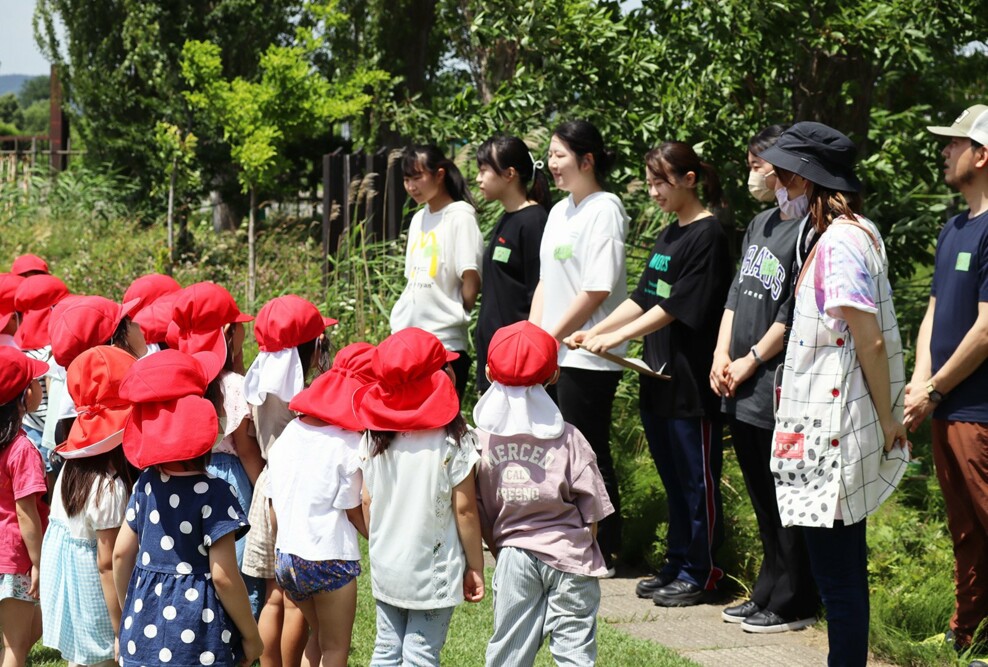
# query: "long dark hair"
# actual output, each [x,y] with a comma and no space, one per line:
[673,160]
[766,138]
[381,440]
[119,337]
[10,420]
[79,475]
[429,158]
[584,139]
[214,390]
[502,152]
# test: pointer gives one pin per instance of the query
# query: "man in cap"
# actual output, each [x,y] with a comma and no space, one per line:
[951,376]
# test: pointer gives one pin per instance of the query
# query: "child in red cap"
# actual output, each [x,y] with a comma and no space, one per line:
[315,484]
[207,319]
[174,564]
[540,495]
[291,337]
[418,463]
[23,515]
[81,612]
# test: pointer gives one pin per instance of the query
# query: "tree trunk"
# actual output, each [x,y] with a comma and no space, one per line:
[251,266]
[171,215]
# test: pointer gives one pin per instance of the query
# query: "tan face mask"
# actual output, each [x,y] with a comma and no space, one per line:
[757,187]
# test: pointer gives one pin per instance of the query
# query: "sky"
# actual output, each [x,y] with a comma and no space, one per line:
[18,52]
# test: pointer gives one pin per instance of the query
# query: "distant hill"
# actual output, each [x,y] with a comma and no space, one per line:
[11,83]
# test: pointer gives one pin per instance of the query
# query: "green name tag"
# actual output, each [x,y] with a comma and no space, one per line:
[562,252]
[431,250]
[501,254]
[663,289]
[963,261]
[769,268]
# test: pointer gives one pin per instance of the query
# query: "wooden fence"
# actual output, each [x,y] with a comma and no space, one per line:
[358,187]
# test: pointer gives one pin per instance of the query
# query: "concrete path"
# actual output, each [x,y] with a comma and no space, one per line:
[698,633]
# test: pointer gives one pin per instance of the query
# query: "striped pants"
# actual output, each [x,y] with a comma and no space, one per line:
[533,600]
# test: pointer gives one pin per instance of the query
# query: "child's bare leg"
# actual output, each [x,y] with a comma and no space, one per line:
[269,624]
[294,636]
[335,612]
[21,628]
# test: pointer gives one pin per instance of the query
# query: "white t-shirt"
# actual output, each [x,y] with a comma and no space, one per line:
[583,251]
[103,514]
[313,478]
[442,245]
[417,561]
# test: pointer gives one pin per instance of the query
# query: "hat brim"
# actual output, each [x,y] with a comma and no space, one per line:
[329,322]
[70,449]
[32,333]
[243,318]
[177,430]
[419,405]
[451,356]
[810,170]
[24,265]
[330,398]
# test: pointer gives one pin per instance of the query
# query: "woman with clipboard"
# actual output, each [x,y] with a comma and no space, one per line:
[677,307]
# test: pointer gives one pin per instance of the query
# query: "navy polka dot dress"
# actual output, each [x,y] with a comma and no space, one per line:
[172,615]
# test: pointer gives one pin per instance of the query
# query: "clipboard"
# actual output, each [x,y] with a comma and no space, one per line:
[632,363]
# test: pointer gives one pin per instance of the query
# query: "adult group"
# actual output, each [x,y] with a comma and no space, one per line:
[204,513]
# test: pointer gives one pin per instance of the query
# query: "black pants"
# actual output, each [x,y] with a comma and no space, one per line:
[461,368]
[585,398]
[785,582]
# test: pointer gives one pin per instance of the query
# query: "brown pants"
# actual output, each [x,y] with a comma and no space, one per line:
[960,451]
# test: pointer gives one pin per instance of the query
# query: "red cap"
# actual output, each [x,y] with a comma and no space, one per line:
[9,282]
[34,299]
[155,317]
[28,263]
[83,322]
[330,398]
[522,355]
[288,321]
[93,381]
[201,311]
[17,370]
[170,420]
[412,391]
[149,289]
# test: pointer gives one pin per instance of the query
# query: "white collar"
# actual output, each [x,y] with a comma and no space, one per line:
[506,410]
[279,373]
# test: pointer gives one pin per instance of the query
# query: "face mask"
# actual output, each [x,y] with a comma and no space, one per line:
[791,208]
[757,187]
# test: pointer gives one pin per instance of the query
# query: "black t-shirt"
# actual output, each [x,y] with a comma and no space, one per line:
[760,296]
[511,274]
[688,274]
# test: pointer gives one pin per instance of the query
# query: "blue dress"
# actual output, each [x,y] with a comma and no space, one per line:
[172,615]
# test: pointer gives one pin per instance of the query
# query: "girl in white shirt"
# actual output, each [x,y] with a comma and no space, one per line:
[583,279]
[418,460]
[443,257]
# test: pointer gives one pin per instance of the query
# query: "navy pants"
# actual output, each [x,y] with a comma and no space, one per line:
[688,455]
[839,561]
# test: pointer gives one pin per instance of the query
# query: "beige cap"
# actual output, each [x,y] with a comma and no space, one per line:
[972,123]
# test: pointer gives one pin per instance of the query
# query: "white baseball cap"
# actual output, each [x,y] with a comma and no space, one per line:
[972,124]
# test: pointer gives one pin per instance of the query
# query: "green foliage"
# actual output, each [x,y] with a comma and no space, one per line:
[35,89]
[36,117]
[10,111]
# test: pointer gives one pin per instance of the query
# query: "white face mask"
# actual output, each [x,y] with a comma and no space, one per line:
[791,208]
[757,187]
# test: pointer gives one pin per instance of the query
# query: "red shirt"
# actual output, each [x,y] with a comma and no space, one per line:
[22,473]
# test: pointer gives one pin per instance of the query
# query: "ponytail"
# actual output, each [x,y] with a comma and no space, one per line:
[429,158]
[673,160]
[502,152]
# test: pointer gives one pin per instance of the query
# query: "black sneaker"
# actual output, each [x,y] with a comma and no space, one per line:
[646,587]
[766,622]
[739,612]
[679,593]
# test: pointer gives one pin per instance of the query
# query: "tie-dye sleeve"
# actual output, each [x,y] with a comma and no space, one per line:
[842,276]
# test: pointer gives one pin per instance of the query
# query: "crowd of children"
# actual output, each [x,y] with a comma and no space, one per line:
[202,514]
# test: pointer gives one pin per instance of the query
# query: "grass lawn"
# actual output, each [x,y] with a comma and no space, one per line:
[468,634]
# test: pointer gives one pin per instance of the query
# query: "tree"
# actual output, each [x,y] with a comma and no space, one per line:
[120,67]
[258,117]
[10,110]
[176,155]
[35,89]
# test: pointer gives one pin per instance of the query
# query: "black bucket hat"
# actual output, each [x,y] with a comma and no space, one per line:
[818,153]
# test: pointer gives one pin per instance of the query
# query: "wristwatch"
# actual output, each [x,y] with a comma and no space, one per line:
[934,395]
[754,353]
